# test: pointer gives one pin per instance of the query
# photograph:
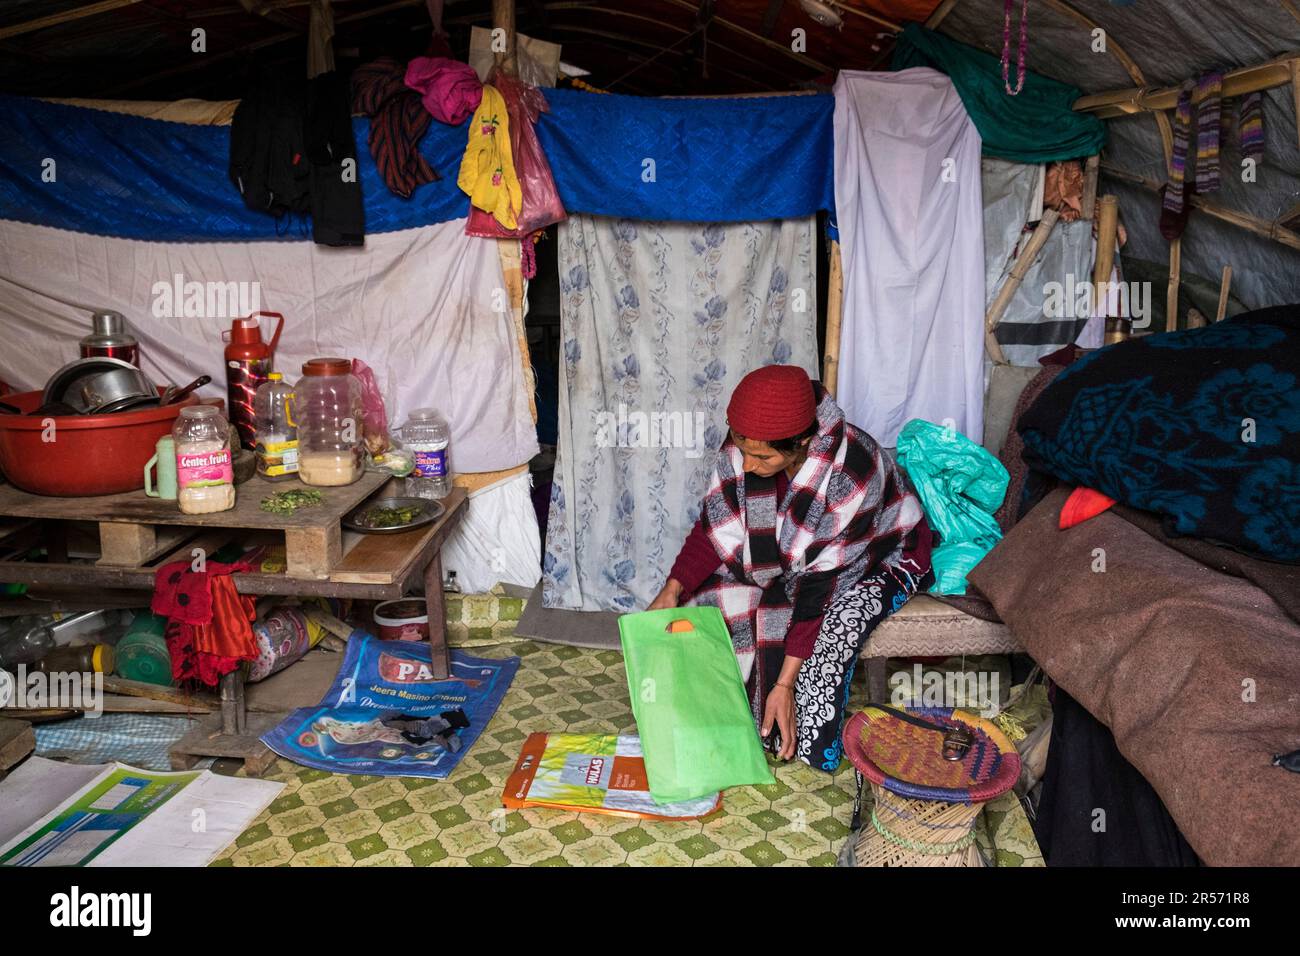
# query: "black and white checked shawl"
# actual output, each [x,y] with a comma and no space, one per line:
[846,512]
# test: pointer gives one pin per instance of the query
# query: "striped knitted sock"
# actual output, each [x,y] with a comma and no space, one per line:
[1172,213]
[1250,125]
[1208,103]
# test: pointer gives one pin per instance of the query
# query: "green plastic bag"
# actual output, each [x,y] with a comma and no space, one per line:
[697,734]
[961,485]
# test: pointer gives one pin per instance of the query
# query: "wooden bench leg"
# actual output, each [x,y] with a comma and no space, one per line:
[436,603]
[878,680]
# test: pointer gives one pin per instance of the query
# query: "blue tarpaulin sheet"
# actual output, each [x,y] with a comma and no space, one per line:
[697,160]
[139,178]
[691,160]
[380,679]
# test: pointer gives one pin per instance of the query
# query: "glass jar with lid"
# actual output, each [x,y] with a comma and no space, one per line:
[205,477]
[328,413]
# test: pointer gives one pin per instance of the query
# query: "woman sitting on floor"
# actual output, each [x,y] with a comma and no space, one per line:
[808,537]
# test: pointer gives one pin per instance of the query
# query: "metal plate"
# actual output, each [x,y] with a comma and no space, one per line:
[431,512]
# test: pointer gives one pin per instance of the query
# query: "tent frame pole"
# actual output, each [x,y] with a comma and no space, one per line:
[834,317]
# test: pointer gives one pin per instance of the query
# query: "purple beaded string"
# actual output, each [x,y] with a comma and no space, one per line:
[1006,46]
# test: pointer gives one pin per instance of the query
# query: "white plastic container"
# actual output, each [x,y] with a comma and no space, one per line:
[205,476]
[427,436]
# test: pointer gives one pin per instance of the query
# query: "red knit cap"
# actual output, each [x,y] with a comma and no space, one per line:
[775,401]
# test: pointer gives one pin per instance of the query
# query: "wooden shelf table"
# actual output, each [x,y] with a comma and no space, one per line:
[137,535]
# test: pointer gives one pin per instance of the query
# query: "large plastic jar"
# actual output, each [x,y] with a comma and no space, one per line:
[328,413]
[205,476]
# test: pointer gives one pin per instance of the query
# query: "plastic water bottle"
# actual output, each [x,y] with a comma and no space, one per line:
[427,436]
[277,436]
[25,643]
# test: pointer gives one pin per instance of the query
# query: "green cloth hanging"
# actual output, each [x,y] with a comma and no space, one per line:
[960,485]
[1036,126]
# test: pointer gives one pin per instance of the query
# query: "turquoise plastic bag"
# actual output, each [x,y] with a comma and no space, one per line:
[697,734]
[961,485]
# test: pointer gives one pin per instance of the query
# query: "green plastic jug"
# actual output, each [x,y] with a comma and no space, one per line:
[142,652]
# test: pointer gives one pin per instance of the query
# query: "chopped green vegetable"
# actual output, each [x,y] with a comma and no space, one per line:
[287,502]
[389,517]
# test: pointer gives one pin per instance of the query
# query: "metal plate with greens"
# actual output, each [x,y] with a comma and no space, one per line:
[393,515]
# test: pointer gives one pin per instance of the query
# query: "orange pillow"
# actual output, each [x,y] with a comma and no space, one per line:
[1083,503]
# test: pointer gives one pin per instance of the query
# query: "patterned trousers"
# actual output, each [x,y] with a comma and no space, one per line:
[822,687]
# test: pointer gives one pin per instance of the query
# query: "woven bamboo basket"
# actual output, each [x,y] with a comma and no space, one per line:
[924,807]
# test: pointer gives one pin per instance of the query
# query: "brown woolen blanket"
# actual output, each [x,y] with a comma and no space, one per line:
[1162,649]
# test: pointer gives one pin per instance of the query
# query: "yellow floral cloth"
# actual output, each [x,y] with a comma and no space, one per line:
[487,173]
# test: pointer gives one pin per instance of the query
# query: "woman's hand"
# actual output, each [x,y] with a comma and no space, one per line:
[670,596]
[780,711]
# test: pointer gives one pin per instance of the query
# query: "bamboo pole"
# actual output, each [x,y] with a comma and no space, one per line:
[1224,285]
[1091,173]
[1175,278]
[1269,230]
[1107,229]
[1295,93]
[1290,215]
[1107,226]
[940,12]
[874,18]
[1249,79]
[834,316]
[1021,266]
[503,18]
[67,16]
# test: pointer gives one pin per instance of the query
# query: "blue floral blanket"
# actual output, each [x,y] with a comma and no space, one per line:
[1201,427]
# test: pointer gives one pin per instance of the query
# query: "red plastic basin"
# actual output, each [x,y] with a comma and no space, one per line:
[90,454]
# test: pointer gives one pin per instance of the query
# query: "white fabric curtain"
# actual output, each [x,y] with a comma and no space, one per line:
[907,200]
[660,322]
[425,308]
[498,541]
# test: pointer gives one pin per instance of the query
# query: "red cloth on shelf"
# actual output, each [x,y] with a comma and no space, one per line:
[210,628]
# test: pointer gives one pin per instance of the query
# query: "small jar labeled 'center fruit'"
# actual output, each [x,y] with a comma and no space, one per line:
[328,412]
[205,476]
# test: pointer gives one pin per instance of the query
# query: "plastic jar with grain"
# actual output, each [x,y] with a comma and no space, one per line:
[328,411]
[205,476]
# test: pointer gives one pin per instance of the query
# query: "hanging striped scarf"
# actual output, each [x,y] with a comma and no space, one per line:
[398,120]
[1174,197]
[846,512]
[1250,125]
[1208,104]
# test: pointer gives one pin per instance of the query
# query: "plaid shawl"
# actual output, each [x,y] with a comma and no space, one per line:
[846,512]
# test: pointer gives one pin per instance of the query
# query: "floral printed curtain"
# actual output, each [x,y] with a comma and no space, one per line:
[660,321]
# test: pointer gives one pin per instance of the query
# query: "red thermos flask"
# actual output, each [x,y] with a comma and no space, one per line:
[248,364]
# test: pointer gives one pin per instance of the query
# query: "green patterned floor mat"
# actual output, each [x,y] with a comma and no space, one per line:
[325,819]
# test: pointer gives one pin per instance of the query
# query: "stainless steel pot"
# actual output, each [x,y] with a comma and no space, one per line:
[92,383]
[116,389]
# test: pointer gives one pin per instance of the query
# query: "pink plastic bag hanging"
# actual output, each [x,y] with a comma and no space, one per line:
[375,423]
[541,201]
